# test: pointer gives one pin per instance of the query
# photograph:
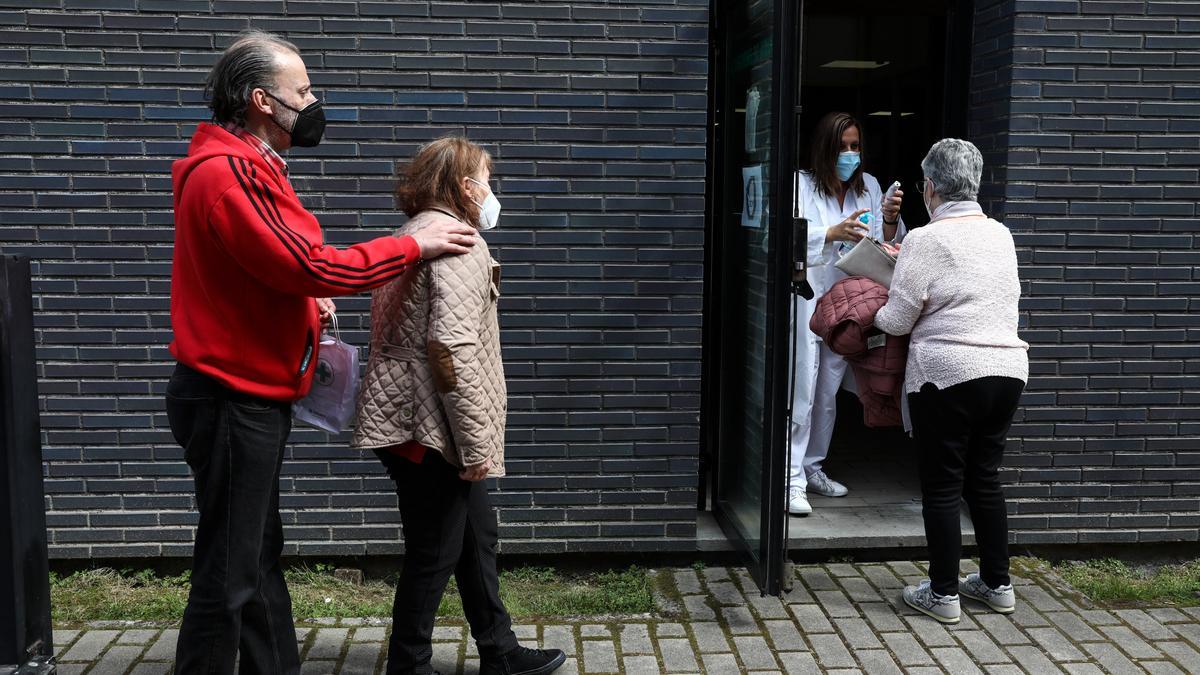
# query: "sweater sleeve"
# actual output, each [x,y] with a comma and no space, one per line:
[910,287]
[459,287]
[270,235]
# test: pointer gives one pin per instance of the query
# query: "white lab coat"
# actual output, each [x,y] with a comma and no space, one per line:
[818,372]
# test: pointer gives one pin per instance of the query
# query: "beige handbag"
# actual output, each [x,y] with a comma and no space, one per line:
[868,259]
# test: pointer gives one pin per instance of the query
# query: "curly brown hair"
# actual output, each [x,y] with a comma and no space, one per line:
[434,177]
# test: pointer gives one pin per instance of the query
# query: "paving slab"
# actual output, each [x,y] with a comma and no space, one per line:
[697,608]
[720,663]
[599,656]
[1182,654]
[1146,626]
[785,637]
[830,651]
[811,619]
[640,665]
[163,648]
[329,644]
[117,660]
[798,663]
[151,668]
[678,655]
[877,662]
[90,645]
[362,657]
[857,634]
[370,634]
[843,619]
[635,639]
[1111,658]
[137,637]
[63,637]
[955,660]
[559,637]
[1130,643]
[1033,660]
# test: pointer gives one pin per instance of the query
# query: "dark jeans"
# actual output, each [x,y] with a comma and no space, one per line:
[449,528]
[960,435]
[239,602]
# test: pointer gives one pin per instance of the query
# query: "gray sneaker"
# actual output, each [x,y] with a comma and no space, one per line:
[944,608]
[826,486]
[1001,599]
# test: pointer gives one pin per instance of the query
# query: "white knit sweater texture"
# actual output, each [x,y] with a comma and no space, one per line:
[956,290]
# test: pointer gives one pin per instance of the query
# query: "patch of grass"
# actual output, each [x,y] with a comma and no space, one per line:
[317,593]
[1114,582]
[528,592]
[542,592]
[112,595]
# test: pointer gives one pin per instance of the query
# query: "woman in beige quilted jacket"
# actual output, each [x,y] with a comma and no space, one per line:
[433,407]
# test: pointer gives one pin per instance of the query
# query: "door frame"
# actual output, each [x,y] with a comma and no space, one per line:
[772,552]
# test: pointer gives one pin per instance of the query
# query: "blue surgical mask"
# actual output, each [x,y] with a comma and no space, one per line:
[847,164]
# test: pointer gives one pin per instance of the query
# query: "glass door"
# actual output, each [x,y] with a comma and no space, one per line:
[749,240]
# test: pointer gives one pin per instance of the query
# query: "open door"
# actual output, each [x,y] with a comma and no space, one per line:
[752,112]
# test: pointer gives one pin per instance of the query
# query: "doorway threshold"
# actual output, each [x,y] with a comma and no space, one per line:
[866,528]
[878,524]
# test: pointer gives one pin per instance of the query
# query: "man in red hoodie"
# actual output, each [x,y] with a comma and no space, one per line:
[250,267]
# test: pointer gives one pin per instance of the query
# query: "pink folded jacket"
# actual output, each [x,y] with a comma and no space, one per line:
[845,320]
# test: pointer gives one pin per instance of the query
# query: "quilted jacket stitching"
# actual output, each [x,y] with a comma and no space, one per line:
[399,400]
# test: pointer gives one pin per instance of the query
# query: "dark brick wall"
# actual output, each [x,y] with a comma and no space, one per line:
[1100,152]
[1088,114]
[596,113]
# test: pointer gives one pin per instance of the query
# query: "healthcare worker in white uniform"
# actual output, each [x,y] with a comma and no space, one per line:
[843,204]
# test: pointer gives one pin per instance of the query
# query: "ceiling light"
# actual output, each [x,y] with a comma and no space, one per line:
[855,65]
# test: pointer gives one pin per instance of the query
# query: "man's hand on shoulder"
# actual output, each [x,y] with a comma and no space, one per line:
[445,235]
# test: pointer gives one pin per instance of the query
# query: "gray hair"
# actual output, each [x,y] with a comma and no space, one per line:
[250,63]
[955,167]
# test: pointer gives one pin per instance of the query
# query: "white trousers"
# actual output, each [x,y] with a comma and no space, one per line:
[810,438]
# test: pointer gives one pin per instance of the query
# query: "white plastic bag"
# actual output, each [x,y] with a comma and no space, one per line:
[330,403]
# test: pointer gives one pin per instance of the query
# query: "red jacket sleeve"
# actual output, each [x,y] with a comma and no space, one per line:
[274,238]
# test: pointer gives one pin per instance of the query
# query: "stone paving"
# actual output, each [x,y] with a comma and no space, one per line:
[839,618]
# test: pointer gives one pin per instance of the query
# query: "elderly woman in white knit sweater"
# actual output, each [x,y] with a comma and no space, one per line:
[956,290]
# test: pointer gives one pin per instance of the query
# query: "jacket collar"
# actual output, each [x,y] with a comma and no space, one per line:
[963,209]
[260,146]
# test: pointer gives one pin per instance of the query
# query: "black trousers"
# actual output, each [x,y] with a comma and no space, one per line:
[960,434]
[449,528]
[238,602]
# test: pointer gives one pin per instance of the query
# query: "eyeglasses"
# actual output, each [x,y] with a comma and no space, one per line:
[920,185]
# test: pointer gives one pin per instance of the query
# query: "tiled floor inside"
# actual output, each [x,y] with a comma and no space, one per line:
[883,508]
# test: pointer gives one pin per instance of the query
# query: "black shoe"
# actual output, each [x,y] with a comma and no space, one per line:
[524,661]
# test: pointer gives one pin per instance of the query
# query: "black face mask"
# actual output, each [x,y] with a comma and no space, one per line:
[309,126]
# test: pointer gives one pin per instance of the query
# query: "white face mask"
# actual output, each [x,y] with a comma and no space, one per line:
[489,210]
[926,201]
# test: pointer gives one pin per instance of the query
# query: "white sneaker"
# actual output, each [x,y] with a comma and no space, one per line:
[826,486]
[798,502]
[944,608]
[1001,599]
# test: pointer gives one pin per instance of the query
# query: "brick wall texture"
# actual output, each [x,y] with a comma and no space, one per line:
[596,114]
[1088,112]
